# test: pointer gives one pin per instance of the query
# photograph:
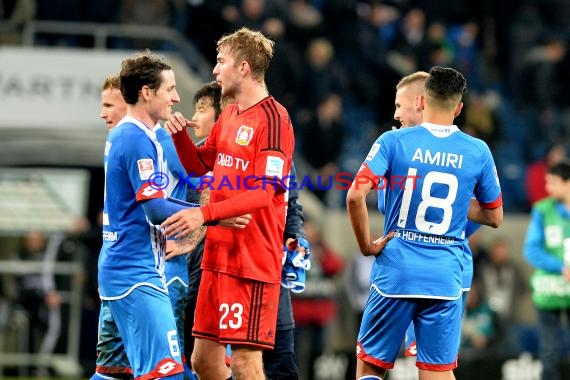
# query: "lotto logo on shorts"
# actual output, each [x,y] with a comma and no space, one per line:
[166,367]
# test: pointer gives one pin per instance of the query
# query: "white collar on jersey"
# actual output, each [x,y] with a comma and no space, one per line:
[140,124]
[440,130]
[156,127]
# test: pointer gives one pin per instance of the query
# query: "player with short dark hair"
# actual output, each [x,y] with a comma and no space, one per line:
[431,171]
[131,264]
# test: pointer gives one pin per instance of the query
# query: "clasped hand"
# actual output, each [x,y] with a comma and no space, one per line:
[185,221]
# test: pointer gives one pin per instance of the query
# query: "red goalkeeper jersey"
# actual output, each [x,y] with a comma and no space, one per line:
[249,151]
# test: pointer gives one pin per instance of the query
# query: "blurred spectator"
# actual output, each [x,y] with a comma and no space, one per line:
[324,74]
[439,48]
[504,285]
[168,13]
[478,250]
[315,308]
[363,50]
[305,23]
[537,77]
[304,15]
[87,240]
[539,87]
[205,23]
[13,16]
[38,295]
[466,46]
[284,77]
[535,177]
[547,249]
[410,41]
[322,136]
[357,284]
[4,305]
[252,13]
[478,330]
[481,119]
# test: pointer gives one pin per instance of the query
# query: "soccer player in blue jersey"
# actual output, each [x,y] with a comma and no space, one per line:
[408,113]
[111,357]
[430,173]
[132,281]
[112,361]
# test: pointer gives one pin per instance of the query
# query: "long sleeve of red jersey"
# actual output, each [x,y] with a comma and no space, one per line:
[197,161]
[241,204]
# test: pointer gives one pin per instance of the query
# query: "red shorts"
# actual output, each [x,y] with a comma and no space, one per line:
[234,310]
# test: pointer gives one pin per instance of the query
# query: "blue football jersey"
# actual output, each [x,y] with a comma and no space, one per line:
[133,248]
[430,173]
[467,256]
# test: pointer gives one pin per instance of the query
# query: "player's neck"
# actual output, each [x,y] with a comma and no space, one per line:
[142,116]
[437,117]
[251,94]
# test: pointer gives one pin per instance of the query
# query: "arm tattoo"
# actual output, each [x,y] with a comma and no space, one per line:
[195,237]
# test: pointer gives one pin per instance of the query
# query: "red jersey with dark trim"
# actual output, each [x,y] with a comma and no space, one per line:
[247,150]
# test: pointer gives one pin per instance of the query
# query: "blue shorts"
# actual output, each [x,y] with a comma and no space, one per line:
[178,293]
[437,325]
[410,332]
[146,323]
[111,355]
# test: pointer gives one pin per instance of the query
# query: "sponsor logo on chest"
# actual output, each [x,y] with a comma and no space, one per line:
[232,162]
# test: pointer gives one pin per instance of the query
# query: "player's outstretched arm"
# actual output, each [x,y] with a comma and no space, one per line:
[158,209]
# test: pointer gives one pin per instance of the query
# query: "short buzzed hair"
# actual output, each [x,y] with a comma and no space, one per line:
[112,81]
[444,87]
[412,78]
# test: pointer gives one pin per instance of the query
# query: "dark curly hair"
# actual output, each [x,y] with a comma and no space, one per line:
[445,86]
[144,69]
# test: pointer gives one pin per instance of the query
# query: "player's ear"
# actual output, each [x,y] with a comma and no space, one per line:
[145,93]
[421,102]
[458,109]
[244,67]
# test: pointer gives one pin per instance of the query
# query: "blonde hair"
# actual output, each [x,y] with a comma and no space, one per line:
[412,78]
[111,81]
[250,46]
